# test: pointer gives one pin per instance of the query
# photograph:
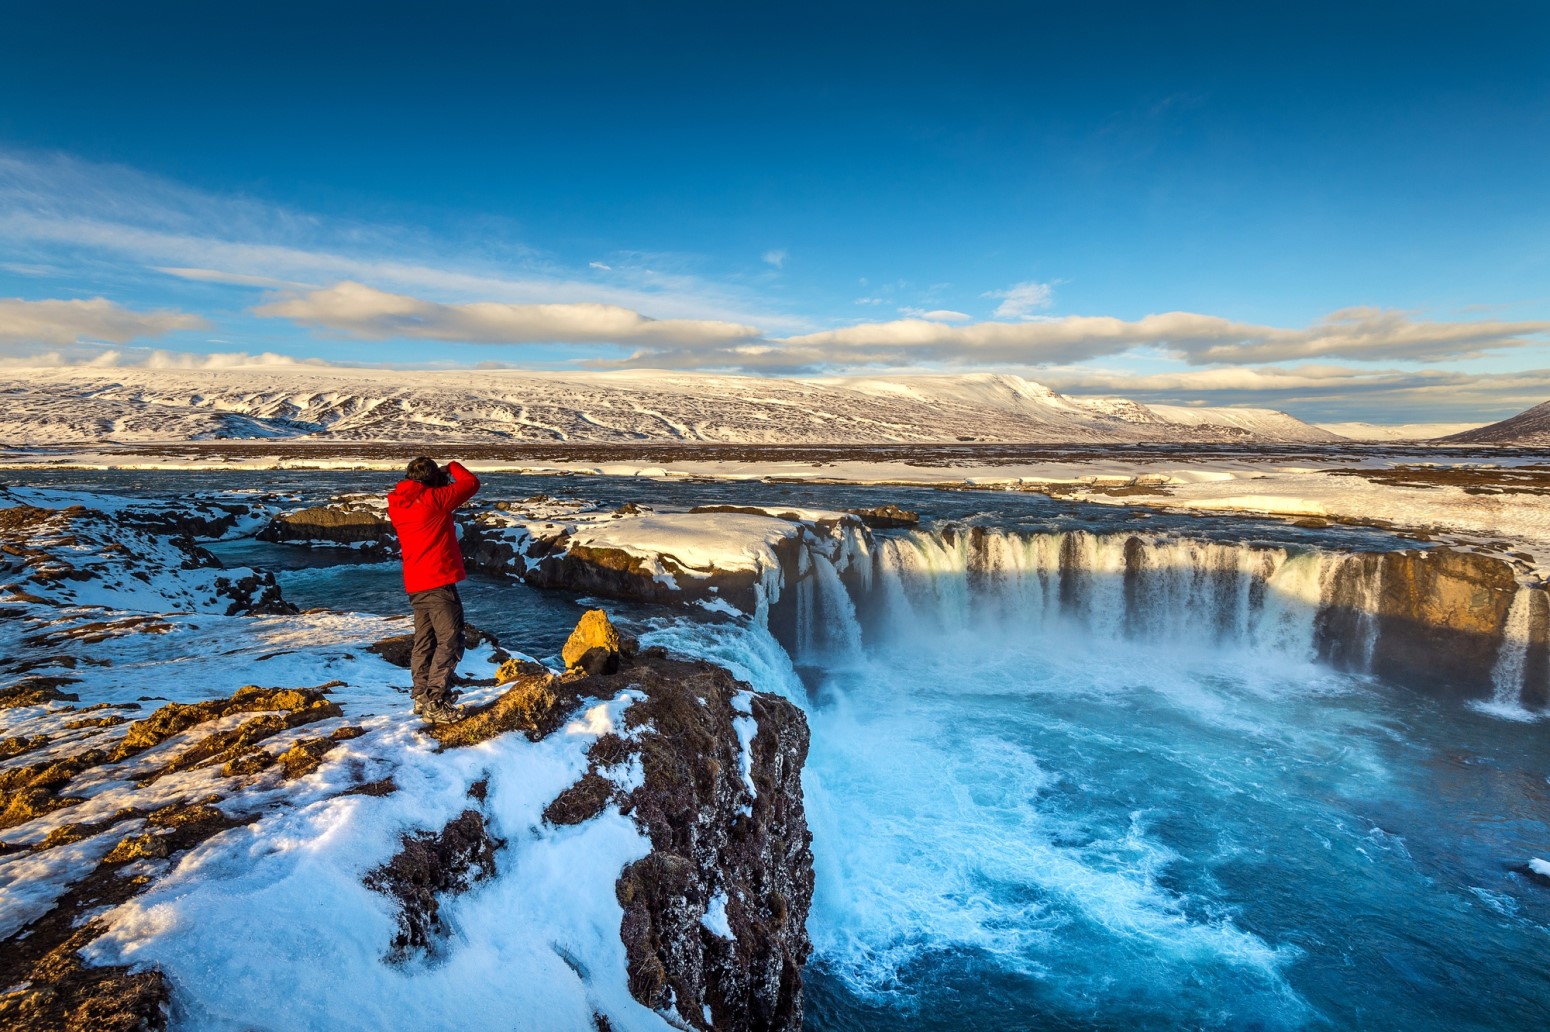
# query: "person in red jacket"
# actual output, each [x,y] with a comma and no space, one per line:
[421,508]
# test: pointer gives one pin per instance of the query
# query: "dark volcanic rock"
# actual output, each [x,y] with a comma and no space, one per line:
[429,865]
[257,594]
[607,572]
[334,524]
[715,849]
[885,517]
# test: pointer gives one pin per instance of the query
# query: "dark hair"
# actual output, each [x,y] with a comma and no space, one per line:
[424,470]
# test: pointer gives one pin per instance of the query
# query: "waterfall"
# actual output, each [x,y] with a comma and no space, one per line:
[1512,662]
[827,629]
[1300,603]
[1108,586]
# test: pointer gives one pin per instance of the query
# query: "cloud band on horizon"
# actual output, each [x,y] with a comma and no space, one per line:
[355,310]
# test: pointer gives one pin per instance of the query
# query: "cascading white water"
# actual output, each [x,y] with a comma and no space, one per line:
[1105,586]
[827,617]
[1512,662]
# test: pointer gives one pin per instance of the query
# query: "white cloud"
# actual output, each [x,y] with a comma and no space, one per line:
[1370,333]
[61,208]
[1323,392]
[1194,338]
[775,257]
[65,322]
[96,357]
[936,314]
[233,278]
[361,311]
[1022,300]
[600,265]
[869,301]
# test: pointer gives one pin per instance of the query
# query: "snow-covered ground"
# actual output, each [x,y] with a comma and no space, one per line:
[80,406]
[269,923]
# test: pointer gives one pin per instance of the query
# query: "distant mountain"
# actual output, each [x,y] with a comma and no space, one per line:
[1396,431]
[1267,424]
[81,406]
[1530,428]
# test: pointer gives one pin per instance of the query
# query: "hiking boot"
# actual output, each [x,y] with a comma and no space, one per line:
[437,711]
[450,698]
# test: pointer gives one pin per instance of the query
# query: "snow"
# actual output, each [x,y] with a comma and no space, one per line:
[1396,431]
[78,406]
[282,902]
[31,882]
[1266,424]
[747,728]
[715,919]
[695,541]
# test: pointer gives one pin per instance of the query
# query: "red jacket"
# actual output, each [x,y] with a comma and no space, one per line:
[422,516]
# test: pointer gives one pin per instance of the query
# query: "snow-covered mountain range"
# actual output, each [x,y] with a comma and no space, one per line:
[81,406]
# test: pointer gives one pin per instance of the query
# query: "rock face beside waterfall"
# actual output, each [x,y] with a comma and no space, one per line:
[1432,619]
[715,917]
[736,558]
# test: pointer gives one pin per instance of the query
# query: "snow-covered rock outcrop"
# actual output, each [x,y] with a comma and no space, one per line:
[624,851]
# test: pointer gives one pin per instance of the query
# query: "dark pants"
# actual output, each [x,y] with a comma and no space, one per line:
[438,641]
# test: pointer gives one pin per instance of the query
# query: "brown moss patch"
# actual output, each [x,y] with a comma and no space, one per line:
[396,649]
[179,815]
[68,833]
[384,787]
[33,790]
[428,865]
[98,631]
[85,722]
[10,748]
[581,802]
[1471,479]
[250,762]
[66,994]
[58,989]
[304,757]
[37,691]
[303,705]
[534,704]
[148,846]
[515,668]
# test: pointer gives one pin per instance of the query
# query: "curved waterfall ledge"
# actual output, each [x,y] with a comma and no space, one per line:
[1451,622]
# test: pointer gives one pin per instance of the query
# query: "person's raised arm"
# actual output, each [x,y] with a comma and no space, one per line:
[462,488]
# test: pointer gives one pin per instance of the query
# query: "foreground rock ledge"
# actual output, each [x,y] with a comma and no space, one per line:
[715,916]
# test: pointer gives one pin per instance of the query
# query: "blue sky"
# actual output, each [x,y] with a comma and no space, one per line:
[1341,210]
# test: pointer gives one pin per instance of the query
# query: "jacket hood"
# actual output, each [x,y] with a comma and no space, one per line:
[407,491]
